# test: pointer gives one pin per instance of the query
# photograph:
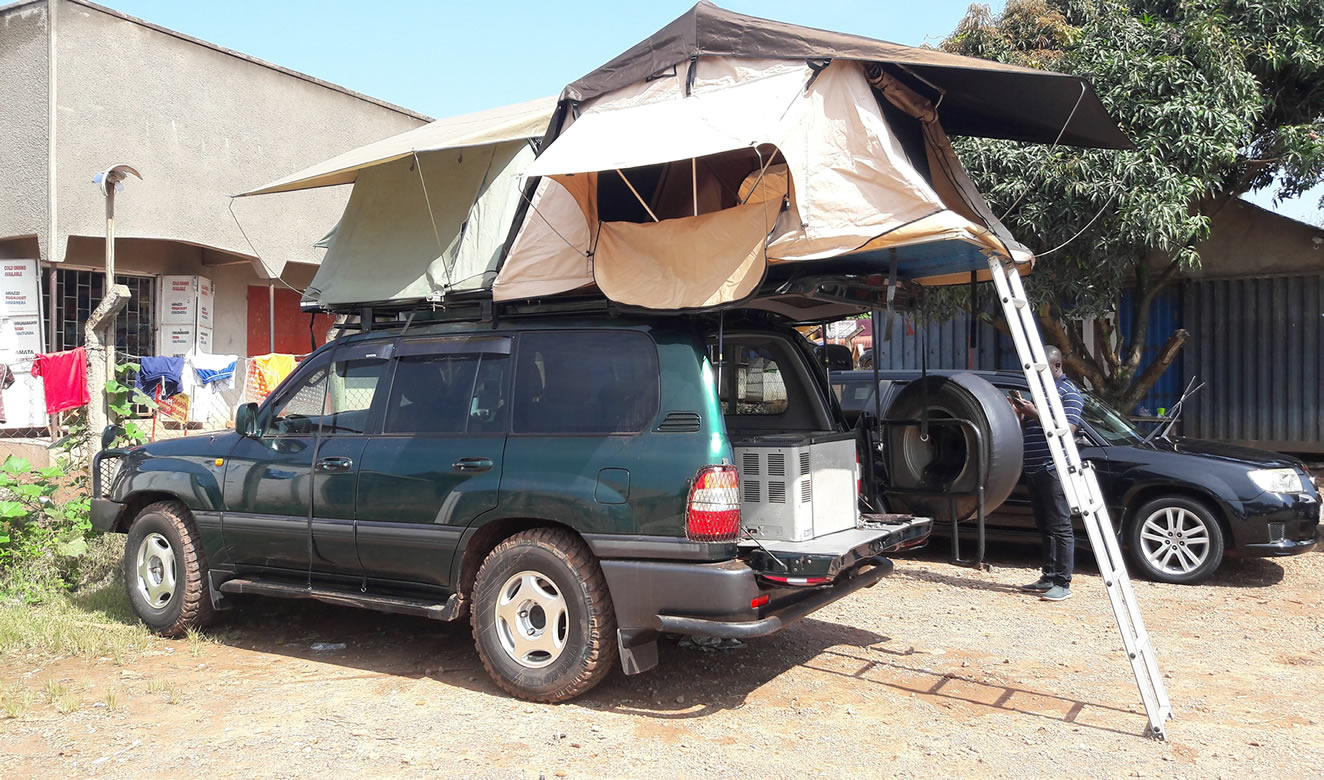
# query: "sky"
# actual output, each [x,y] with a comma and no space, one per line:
[442,58]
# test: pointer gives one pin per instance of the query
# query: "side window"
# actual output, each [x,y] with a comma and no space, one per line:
[754,385]
[448,393]
[299,409]
[351,388]
[585,382]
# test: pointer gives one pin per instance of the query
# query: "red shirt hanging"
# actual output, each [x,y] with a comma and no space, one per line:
[64,375]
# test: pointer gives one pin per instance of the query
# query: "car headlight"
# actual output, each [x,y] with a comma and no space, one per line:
[1278,480]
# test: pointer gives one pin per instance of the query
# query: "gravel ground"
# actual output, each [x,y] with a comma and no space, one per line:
[937,671]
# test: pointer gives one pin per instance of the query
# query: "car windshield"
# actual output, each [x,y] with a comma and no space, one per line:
[1109,423]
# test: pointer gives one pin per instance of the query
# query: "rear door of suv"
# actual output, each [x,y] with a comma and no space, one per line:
[436,464]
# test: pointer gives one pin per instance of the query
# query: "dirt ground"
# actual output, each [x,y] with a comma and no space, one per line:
[937,671]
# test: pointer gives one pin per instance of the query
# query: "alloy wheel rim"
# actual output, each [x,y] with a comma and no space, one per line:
[1175,540]
[532,620]
[157,575]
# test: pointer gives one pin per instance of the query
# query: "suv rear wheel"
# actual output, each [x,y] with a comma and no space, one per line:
[542,617]
[165,570]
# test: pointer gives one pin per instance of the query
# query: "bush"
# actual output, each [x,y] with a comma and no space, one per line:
[45,530]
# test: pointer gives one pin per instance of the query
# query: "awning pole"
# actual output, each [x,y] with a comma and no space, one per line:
[271,317]
[636,194]
[694,183]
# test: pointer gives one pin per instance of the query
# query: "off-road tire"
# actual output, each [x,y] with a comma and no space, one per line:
[590,650]
[190,604]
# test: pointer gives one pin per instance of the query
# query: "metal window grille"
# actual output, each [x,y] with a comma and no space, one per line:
[74,293]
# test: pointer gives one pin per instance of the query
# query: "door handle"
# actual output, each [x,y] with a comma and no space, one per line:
[472,464]
[336,465]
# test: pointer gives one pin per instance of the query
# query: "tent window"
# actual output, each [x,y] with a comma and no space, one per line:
[670,187]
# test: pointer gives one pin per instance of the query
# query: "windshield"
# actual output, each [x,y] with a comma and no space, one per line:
[1108,423]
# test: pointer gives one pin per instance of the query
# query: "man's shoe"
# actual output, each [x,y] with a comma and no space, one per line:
[1041,585]
[1057,593]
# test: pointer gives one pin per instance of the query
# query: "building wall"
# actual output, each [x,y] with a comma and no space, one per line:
[232,279]
[23,118]
[1246,240]
[200,124]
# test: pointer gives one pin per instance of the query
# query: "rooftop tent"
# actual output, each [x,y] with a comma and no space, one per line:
[430,210]
[674,174]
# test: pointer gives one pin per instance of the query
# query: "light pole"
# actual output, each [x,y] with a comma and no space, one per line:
[99,333]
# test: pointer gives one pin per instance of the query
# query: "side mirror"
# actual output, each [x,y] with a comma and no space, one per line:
[110,435]
[245,421]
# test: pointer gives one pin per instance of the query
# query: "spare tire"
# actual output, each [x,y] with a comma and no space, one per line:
[946,462]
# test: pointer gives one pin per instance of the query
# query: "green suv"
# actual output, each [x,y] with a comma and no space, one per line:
[573,485]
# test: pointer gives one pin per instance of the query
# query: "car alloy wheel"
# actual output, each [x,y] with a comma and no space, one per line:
[532,620]
[157,572]
[1174,540]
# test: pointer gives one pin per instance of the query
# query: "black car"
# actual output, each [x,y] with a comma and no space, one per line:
[1221,499]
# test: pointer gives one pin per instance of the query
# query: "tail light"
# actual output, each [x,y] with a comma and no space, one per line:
[713,513]
[859,486]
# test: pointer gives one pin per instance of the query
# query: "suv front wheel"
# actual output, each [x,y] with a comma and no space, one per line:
[165,570]
[542,617]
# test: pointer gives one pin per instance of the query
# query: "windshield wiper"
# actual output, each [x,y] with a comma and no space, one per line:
[1174,413]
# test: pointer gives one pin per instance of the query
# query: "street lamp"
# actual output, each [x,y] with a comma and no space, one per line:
[111,181]
[102,318]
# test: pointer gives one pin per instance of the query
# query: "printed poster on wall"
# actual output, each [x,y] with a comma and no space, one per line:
[24,400]
[18,286]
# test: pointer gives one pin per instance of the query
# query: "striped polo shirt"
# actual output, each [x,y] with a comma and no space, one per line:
[1037,455]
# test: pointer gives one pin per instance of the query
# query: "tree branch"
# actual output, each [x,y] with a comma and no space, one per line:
[1167,353]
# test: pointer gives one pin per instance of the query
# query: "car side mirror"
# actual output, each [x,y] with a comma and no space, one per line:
[245,421]
[110,435]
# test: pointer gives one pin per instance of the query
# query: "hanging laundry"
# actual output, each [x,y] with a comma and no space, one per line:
[163,373]
[6,381]
[267,371]
[206,378]
[64,377]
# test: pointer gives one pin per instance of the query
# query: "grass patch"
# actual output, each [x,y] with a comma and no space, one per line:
[112,699]
[15,700]
[97,622]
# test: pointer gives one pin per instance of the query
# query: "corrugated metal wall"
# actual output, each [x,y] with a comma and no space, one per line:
[1165,317]
[1257,344]
[946,344]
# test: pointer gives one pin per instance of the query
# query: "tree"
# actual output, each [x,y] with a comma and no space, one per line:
[1219,97]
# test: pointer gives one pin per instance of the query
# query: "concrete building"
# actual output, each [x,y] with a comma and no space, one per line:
[83,87]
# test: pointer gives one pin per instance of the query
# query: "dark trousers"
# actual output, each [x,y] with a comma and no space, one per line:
[1053,519]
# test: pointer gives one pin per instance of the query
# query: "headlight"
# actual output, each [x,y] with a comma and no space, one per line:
[1278,480]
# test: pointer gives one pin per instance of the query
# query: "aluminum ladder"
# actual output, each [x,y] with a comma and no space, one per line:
[1081,487]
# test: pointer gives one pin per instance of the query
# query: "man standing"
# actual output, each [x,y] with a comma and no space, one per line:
[1049,503]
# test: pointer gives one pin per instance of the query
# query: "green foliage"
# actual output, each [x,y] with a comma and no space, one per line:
[42,535]
[1219,97]
[47,543]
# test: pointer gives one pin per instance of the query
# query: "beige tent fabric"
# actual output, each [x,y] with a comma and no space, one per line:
[734,104]
[686,263]
[497,125]
[851,185]
[553,244]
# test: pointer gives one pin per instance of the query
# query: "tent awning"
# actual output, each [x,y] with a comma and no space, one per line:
[979,97]
[498,125]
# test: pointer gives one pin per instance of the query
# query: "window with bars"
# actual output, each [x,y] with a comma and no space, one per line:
[76,292]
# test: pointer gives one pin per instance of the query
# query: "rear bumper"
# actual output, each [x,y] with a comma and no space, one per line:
[716,599]
[864,577]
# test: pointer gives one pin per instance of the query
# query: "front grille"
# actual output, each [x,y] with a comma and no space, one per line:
[106,468]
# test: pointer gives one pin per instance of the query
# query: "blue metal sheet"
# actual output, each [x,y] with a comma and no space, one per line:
[1165,317]
[1257,344]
